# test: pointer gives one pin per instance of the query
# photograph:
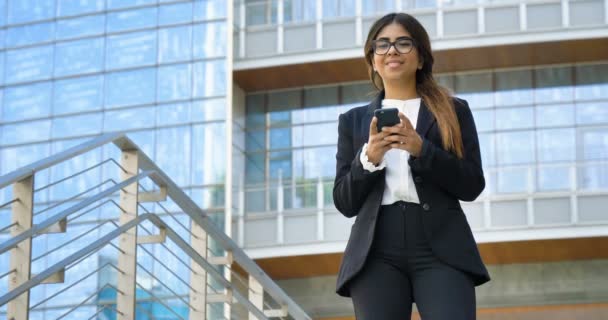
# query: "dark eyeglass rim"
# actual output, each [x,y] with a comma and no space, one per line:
[392,44]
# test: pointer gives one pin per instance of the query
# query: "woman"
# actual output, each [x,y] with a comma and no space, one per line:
[410,241]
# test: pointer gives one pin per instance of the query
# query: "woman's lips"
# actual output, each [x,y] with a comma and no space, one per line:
[394,64]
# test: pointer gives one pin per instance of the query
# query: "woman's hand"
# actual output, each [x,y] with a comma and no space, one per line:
[403,136]
[377,146]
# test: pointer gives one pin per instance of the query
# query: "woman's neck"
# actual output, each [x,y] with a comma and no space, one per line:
[400,90]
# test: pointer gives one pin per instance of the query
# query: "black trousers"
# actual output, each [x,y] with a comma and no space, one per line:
[401,269]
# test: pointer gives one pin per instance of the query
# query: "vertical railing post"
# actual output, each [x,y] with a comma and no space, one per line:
[21,255]
[256,295]
[127,256]
[198,275]
[280,208]
[320,206]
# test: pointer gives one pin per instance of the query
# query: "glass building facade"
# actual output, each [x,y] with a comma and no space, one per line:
[73,69]
[534,124]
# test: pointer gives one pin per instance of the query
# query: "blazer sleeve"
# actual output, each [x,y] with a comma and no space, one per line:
[352,183]
[463,178]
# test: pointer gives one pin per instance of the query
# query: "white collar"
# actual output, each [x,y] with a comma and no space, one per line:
[401,104]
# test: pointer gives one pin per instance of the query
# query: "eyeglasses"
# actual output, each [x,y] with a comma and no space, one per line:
[402,45]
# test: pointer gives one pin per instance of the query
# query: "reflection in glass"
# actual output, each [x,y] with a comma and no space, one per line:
[132,19]
[514,118]
[27,102]
[83,26]
[174,44]
[592,82]
[79,125]
[553,84]
[554,115]
[79,94]
[81,56]
[515,147]
[29,64]
[174,82]
[130,50]
[24,132]
[29,34]
[130,87]
[173,153]
[513,87]
[70,8]
[175,13]
[208,154]
[556,145]
[589,113]
[209,33]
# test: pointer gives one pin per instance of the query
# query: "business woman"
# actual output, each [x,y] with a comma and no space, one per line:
[410,241]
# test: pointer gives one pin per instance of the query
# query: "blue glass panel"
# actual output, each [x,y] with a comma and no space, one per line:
[312,163]
[77,27]
[27,102]
[209,78]
[554,178]
[513,180]
[132,19]
[175,13]
[2,67]
[3,12]
[209,110]
[554,115]
[556,145]
[81,56]
[130,50]
[553,84]
[588,113]
[592,81]
[29,64]
[514,118]
[484,120]
[487,149]
[145,141]
[115,4]
[129,119]
[24,35]
[595,144]
[208,154]
[255,140]
[25,132]
[280,138]
[130,87]
[370,7]
[173,153]
[174,44]
[299,10]
[515,147]
[209,40]
[338,8]
[75,7]
[209,9]
[176,113]
[30,10]
[74,126]
[174,82]
[280,163]
[433,3]
[315,134]
[514,87]
[255,169]
[79,94]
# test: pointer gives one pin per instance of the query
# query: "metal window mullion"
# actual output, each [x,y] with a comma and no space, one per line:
[358,22]
[21,255]
[127,257]
[566,12]
[523,16]
[319,24]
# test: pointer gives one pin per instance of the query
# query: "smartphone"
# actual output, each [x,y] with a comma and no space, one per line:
[387,117]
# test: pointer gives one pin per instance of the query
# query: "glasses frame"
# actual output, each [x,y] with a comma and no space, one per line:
[392,44]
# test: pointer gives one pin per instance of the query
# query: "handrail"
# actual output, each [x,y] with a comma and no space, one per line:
[69,153]
[151,170]
[93,247]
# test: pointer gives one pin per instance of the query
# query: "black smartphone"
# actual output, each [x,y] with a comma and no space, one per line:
[387,117]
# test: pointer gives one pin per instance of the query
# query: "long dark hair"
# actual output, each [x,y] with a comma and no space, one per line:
[437,98]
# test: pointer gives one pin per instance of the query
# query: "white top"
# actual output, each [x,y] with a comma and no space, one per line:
[399,183]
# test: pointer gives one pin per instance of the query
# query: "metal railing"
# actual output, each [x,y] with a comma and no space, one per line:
[134,262]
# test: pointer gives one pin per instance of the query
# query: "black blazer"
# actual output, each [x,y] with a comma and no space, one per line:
[441,180]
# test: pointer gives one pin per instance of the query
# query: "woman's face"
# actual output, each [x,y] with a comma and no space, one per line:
[395,66]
